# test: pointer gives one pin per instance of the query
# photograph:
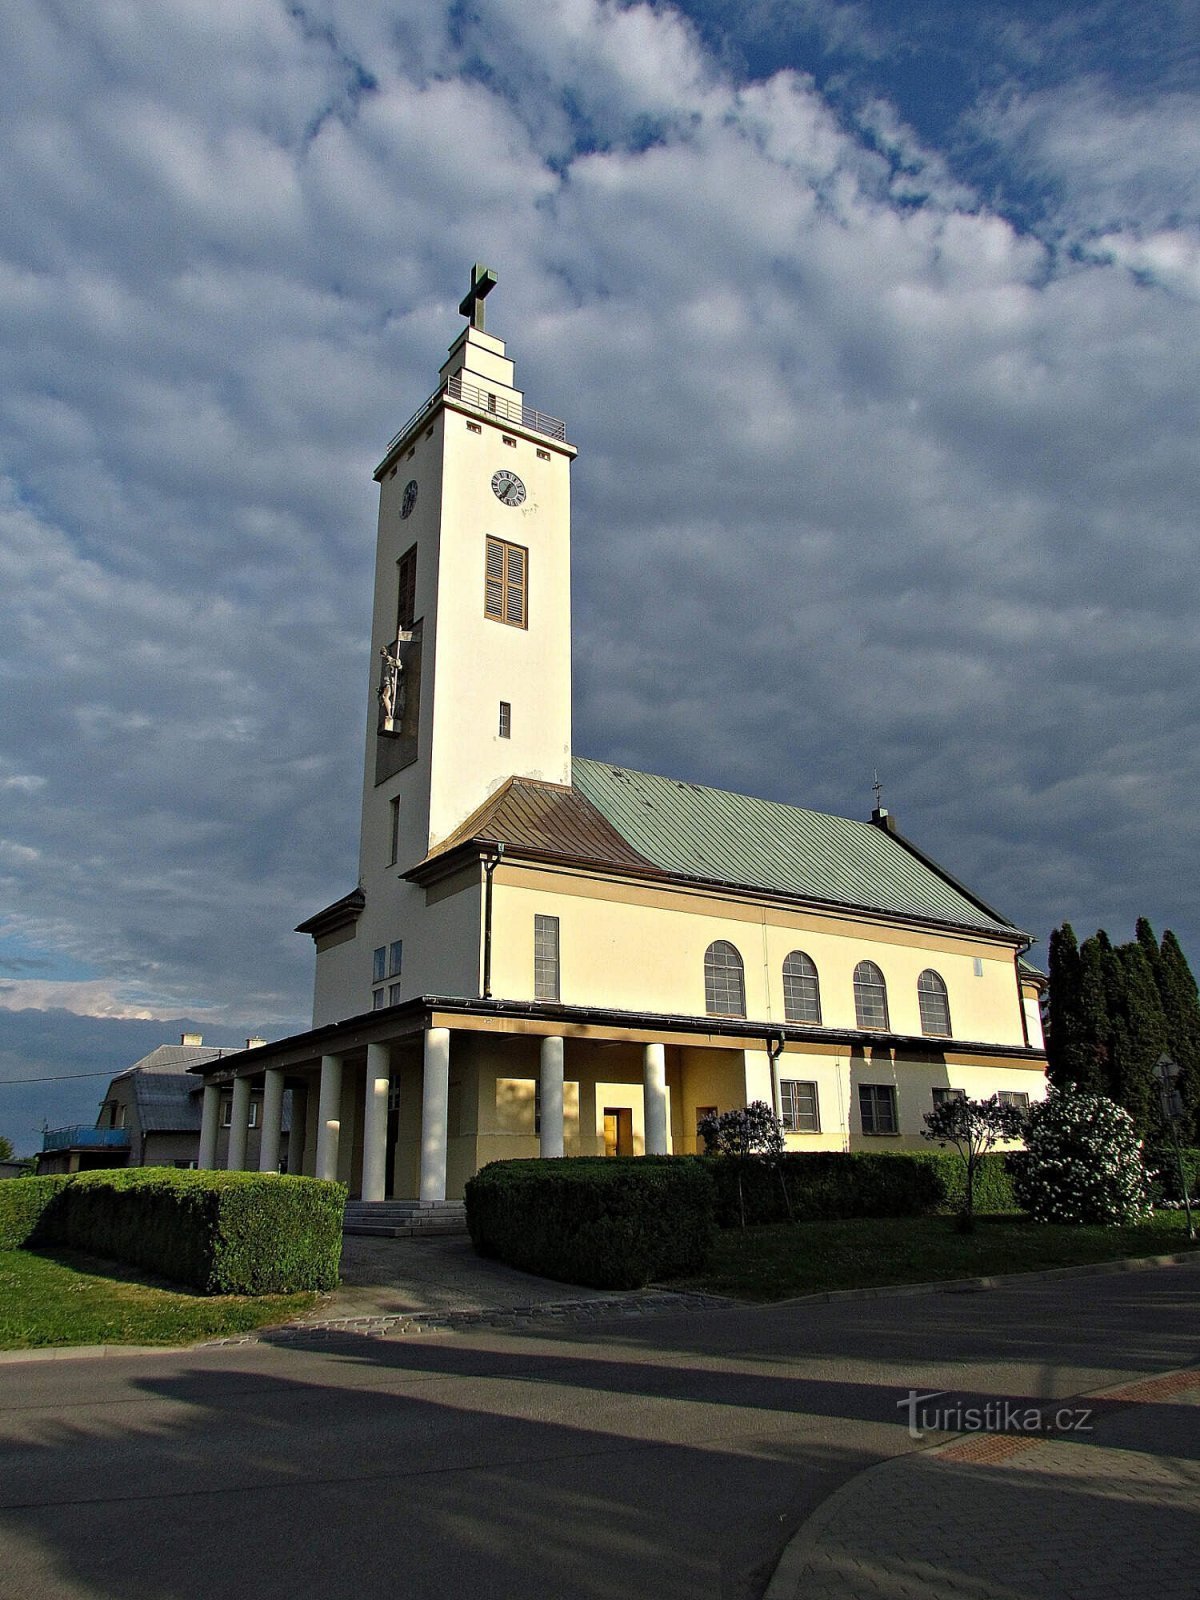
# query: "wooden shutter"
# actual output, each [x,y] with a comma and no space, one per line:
[505,583]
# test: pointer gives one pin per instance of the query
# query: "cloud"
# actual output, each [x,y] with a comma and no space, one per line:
[869,477]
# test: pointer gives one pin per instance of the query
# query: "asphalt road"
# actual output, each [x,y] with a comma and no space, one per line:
[662,1457]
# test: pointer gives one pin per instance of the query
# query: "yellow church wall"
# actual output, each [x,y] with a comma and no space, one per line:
[639,949]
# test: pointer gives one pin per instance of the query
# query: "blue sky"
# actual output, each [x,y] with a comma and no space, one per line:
[875,326]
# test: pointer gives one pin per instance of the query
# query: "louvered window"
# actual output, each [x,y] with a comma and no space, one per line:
[870,997]
[934,1003]
[406,607]
[724,983]
[506,583]
[801,989]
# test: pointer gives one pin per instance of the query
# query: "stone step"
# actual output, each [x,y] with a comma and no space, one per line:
[403,1218]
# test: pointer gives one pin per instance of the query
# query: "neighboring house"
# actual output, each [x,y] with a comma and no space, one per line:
[545,953]
[149,1117]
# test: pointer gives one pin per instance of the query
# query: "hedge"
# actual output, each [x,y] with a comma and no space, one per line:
[827,1185]
[613,1222]
[220,1232]
[1163,1167]
[22,1204]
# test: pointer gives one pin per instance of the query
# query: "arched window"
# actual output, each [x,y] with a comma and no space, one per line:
[801,989]
[870,997]
[934,1002]
[724,985]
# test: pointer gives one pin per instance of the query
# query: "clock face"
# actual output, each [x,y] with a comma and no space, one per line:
[508,488]
[410,498]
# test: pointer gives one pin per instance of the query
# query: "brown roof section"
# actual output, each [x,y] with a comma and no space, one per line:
[544,819]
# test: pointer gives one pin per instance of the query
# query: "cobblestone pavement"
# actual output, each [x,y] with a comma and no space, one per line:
[1110,1514]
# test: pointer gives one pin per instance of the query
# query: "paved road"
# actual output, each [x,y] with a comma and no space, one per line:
[665,1457]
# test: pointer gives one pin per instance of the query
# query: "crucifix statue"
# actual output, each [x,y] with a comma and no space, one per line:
[392,689]
[483,281]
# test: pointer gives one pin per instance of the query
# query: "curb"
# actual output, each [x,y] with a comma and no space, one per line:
[891,1291]
[785,1580]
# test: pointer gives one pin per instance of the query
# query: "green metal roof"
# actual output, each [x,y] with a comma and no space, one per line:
[692,831]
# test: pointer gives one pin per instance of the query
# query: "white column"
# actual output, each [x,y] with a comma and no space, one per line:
[435,1095]
[272,1120]
[210,1121]
[552,1097]
[375,1122]
[654,1088]
[239,1123]
[329,1111]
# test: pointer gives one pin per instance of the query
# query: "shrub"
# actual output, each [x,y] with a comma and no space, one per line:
[1083,1162]
[23,1202]
[1162,1165]
[973,1127]
[829,1185]
[611,1222]
[220,1232]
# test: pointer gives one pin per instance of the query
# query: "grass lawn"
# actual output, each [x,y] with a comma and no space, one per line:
[59,1297]
[784,1259]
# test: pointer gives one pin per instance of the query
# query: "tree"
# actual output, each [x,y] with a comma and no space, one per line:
[1137,1034]
[1181,1008]
[6,1148]
[749,1131]
[1063,1035]
[1083,1162]
[973,1127]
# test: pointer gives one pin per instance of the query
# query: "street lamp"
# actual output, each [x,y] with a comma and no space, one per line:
[1172,1109]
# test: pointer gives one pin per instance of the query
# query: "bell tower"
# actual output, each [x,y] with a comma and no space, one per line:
[470,637]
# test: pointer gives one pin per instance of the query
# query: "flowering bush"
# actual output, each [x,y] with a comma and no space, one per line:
[1084,1162]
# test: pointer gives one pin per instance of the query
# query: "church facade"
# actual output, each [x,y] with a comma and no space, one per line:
[548,954]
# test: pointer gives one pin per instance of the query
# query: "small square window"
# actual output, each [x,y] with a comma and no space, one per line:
[798,1107]
[543,455]
[505,720]
[474,427]
[379,964]
[377,1000]
[395,958]
[509,441]
[942,1096]
[395,991]
[877,1108]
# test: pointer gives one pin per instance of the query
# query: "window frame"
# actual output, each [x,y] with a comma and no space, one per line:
[508,586]
[505,723]
[934,994]
[547,963]
[942,1094]
[863,983]
[813,977]
[875,1094]
[718,978]
[395,958]
[379,963]
[1014,1097]
[791,1114]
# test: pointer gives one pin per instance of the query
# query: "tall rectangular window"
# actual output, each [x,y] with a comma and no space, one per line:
[505,720]
[394,833]
[506,581]
[545,958]
[379,964]
[395,993]
[406,605]
[877,1108]
[798,1107]
[395,958]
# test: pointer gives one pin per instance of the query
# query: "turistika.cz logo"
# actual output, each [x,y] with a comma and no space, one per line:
[992,1416]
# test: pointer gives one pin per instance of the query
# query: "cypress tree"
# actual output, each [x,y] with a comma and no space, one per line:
[1062,1042]
[1181,1004]
[1137,1034]
[1090,1057]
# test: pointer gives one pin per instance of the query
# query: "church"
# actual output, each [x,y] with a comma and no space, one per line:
[547,954]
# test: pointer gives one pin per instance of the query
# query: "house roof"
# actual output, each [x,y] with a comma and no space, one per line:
[692,831]
[167,1098]
[670,829]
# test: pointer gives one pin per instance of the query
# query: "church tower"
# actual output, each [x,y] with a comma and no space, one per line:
[470,646]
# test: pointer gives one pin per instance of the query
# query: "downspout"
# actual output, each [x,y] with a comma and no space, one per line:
[489,868]
[774,1051]
[1017,954]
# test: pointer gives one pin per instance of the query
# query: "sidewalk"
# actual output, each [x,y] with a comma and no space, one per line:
[1112,1514]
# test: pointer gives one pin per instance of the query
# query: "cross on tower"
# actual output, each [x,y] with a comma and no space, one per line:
[483,281]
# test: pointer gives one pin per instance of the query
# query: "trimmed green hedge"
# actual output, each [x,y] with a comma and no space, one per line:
[22,1203]
[1163,1167]
[829,1185]
[220,1232]
[614,1222]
